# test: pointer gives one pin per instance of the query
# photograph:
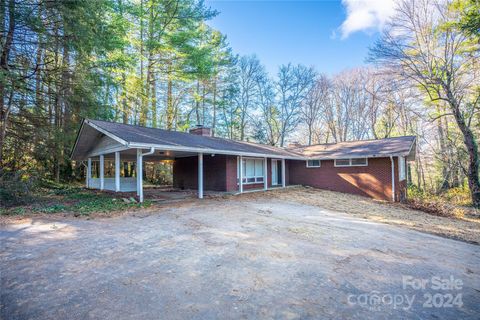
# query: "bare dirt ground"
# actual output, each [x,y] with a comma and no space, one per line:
[465,228]
[253,256]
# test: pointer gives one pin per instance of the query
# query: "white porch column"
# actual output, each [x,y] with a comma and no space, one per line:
[200,175]
[240,176]
[102,168]
[283,173]
[117,171]
[139,175]
[265,175]
[393,178]
[89,171]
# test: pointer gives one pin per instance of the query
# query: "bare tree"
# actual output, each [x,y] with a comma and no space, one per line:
[293,84]
[250,71]
[420,44]
[268,123]
[348,112]
[314,103]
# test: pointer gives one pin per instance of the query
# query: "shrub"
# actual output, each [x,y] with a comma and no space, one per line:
[459,195]
[446,204]
[16,187]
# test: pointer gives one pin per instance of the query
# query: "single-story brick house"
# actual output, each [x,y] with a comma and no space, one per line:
[373,168]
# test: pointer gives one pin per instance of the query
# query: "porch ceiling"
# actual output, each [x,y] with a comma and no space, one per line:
[158,155]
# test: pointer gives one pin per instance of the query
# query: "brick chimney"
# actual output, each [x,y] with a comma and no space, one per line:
[200,130]
[294,144]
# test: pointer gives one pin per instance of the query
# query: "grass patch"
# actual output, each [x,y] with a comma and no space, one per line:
[57,198]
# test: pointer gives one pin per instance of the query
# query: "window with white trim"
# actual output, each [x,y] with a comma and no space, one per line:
[354,162]
[313,163]
[252,170]
[401,169]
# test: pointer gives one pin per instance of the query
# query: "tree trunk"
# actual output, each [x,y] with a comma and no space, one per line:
[310,133]
[197,103]
[214,102]
[443,154]
[154,101]
[125,170]
[5,110]
[472,148]
[124,98]
[170,111]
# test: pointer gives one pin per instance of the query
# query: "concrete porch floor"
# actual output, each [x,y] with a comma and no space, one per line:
[167,194]
[170,194]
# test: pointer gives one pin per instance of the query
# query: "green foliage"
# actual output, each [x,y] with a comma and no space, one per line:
[16,187]
[469,21]
[414,192]
[451,204]
[456,196]
[72,200]
[459,196]
[52,208]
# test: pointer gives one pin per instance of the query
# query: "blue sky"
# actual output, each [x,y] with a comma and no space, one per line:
[329,35]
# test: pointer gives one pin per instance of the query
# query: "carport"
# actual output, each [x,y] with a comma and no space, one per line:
[231,166]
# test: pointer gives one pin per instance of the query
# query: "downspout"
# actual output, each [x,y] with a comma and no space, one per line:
[152,150]
[393,178]
[140,171]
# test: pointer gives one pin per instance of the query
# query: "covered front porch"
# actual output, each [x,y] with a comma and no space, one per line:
[124,171]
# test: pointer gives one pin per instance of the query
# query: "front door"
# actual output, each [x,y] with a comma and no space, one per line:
[276,172]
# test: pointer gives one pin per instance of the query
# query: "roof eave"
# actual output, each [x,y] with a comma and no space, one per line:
[134,145]
[107,133]
[386,155]
[79,132]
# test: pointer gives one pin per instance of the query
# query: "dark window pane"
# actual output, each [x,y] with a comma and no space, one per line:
[342,162]
[359,162]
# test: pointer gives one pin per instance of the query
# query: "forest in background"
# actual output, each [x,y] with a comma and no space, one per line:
[158,63]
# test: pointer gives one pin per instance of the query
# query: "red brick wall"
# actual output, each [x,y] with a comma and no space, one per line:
[220,173]
[372,181]
[185,172]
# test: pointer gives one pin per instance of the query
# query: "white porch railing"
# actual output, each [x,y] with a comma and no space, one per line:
[126,184]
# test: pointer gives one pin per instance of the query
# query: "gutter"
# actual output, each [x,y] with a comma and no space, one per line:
[393,178]
[205,150]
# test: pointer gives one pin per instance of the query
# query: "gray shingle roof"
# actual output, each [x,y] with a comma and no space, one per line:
[400,146]
[144,135]
[134,136]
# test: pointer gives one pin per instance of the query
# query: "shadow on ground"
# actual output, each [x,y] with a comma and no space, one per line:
[229,258]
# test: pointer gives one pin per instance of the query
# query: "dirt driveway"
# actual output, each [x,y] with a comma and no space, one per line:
[241,257]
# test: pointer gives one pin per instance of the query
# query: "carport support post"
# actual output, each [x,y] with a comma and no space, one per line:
[117,171]
[393,178]
[265,180]
[139,175]
[200,175]
[240,170]
[102,178]
[283,173]
[89,171]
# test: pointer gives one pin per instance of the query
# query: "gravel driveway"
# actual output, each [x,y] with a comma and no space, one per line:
[234,258]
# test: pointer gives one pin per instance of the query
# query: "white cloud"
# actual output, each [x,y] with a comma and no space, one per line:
[366,15]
